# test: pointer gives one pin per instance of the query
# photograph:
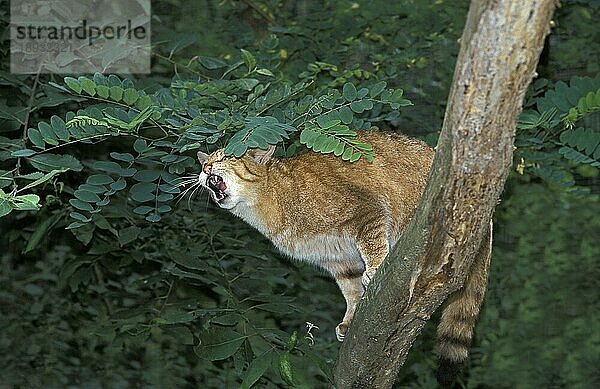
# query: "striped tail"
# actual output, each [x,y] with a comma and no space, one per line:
[459,316]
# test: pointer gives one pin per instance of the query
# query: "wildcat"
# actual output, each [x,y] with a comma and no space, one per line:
[343,217]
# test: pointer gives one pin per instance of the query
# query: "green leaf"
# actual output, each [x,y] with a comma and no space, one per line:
[176,316]
[98,189]
[529,119]
[142,191]
[168,158]
[80,217]
[168,188]
[376,89]
[5,179]
[357,106]
[87,196]
[59,128]
[320,142]
[347,154]
[346,115]
[48,162]
[81,205]
[36,138]
[103,91]
[5,207]
[141,117]
[577,157]
[164,209]
[73,84]
[325,123]
[349,92]
[82,231]
[355,156]
[236,149]
[99,179]
[142,209]
[164,197]
[330,146]
[397,95]
[147,175]
[22,153]
[583,139]
[116,93]
[247,84]
[285,369]
[292,341]
[28,202]
[229,319]
[40,232]
[590,100]
[120,184]
[44,178]
[265,72]
[108,166]
[128,235]
[219,343]
[143,102]
[140,145]
[130,96]
[88,86]
[308,137]
[257,368]
[249,60]
[339,150]
[582,105]
[342,131]
[319,360]
[125,157]
[47,133]
[211,63]
[153,218]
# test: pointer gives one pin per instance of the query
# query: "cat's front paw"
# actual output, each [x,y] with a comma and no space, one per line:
[340,331]
[367,277]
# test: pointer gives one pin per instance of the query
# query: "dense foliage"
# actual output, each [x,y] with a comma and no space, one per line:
[115,273]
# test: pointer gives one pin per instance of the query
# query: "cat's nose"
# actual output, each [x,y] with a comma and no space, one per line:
[207,168]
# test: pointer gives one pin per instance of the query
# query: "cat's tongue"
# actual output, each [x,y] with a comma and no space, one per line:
[217,183]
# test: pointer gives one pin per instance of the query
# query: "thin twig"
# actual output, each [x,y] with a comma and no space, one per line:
[262,13]
[187,67]
[26,121]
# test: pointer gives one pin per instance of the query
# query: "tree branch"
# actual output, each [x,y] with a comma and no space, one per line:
[499,51]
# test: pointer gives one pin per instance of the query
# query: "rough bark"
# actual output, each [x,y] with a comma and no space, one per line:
[499,51]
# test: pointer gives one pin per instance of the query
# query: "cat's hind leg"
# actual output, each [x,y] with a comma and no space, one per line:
[374,247]
[351,286]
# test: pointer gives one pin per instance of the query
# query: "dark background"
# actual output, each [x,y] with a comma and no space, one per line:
[116,312]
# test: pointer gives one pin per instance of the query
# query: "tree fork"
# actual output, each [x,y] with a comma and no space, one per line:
[500,47]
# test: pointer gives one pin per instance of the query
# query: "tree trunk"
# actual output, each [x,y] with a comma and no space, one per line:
[499,51]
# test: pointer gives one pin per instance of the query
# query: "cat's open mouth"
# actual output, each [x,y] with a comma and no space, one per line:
[217,185]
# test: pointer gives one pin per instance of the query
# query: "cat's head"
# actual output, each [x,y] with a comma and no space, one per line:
[231,180]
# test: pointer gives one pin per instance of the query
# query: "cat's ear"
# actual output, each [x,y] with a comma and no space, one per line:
[202,157]
[261,156]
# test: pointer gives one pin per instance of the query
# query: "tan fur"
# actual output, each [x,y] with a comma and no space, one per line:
[343,217]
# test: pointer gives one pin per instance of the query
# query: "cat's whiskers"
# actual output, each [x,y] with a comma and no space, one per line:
[192,176]
[198,189]
[182,194]
[179,181]
[207,202]
[188,181]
